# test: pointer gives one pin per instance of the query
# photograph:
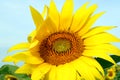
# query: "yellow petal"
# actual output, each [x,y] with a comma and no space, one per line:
[27,57]
[46,29]
[53,13]
[8,59]
[44,11]
[51,75]
[98,53]
[26,69]
[97,30]
[37,18]
[89,24]
[100,38]
[92,62]
[34,46]
[31,59]
[19,46]
[96,73]
[15,58]
[109,48]
[66,15]
[78,76]
[83,69]
[65,72]
[40,71]
[31,36]
[34,60]
[77,18]
[85,18]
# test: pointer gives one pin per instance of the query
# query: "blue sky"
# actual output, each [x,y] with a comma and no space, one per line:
[16,21]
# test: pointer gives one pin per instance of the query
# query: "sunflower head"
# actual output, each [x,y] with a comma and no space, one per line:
[111,73]
[60,48]
[64,44]
[10,77]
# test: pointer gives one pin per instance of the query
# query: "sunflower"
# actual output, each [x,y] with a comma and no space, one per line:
[10,77]
[64,46]
[111,73]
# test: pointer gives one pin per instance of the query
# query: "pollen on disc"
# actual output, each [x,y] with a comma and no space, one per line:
[61,45]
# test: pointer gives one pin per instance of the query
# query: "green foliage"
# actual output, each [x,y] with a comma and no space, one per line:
[117,73]
[8,71]
[104,63]
[116,58]
[107,65]
[116,70]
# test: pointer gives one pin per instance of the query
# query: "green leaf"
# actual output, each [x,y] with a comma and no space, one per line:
[4,70]
[8,70]
[2,76]
[104,63]
[116,58]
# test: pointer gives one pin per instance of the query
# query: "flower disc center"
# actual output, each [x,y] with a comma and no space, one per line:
[61,45]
